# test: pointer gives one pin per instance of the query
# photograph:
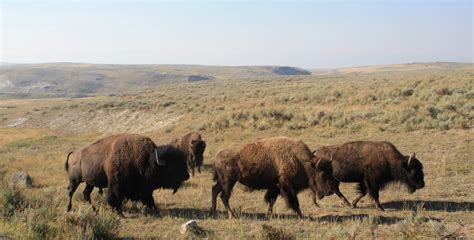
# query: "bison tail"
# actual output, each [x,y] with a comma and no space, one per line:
[66,164]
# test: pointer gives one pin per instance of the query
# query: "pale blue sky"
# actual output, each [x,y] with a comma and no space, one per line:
[309,34]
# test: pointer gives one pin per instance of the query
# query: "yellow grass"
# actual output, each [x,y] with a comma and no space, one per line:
[233,112]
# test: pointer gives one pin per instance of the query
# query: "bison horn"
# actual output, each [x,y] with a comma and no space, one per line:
[160,163]
[317,164]
[409,158]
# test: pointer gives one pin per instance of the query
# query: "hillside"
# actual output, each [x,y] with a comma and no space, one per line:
[428,111]
[80,80]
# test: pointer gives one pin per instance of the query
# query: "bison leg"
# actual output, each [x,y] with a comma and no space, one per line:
[225,196]
[115,198]
[216,189]
[362,192]
[270,197]
[342,197]
[72,188]
[375,195]
[149,202]
[87,194]
[289,194]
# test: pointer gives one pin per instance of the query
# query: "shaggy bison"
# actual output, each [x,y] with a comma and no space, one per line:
[193,146]
[131,167]
[373,165]
[282,166]
[86,165]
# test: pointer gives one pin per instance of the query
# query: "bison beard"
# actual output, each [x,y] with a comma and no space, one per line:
[372,165]
[136,166]
[282,166]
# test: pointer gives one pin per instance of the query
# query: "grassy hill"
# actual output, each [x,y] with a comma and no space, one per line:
[81,79]
[429,111]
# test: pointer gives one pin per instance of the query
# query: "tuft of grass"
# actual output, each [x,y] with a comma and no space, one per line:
[12,201]
[89,224]
[272,233]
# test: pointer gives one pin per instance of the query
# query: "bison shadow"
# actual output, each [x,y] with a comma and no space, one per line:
[414,205]
[192,213]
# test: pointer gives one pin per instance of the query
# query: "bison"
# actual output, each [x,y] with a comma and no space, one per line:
[372,165]
[136,167]
[282,166]
[131,167]
[193,146]
[86,165]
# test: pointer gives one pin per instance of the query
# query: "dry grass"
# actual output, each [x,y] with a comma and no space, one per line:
[426,111]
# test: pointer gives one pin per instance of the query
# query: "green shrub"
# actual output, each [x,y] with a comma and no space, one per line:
[91,225]
[13,201]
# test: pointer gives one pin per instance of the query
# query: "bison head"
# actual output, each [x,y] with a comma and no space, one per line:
[172,167]
[196,150]
[415,173]
[322,178]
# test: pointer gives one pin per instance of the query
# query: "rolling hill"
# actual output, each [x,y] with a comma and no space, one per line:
[81,79]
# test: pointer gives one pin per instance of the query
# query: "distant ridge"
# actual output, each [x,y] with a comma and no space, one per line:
[65,79]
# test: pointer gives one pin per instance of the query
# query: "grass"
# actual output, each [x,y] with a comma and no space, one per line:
[426,111]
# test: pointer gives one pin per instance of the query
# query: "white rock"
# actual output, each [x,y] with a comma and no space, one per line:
[189,226]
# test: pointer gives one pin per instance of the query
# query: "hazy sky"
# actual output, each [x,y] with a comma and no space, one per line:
[310,34]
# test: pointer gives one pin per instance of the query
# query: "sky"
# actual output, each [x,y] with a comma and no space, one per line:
[308,34]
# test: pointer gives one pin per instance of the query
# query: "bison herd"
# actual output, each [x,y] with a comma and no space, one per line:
[132,166]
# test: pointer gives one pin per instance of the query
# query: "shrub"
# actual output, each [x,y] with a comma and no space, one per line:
[12,201]
[88,224]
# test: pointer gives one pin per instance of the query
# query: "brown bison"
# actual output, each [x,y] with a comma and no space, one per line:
[86,165]
[193,146]
[136,167]
[373,165]
[133,167]
[282,166]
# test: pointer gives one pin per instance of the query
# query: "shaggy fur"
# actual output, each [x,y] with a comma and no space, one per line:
[133,172]
[282,165]
[193,146]
[373,165]
[89,165]
[86,165]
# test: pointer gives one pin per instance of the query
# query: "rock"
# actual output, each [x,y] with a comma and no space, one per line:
[189,226]
[22,179]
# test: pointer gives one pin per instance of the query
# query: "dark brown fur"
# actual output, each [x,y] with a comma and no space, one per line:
[282,166]
[133,171]
[193,146]
[86,165]
[373,165]
[89,165]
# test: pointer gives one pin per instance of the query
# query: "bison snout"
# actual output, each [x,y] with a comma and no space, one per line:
[420,185]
